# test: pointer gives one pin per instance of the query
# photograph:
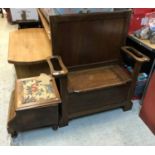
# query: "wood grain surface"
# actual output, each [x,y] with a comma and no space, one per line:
[29,45]
[97,78]
[45,24]
[144,42]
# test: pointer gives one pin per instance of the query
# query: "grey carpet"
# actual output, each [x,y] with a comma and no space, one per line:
[113,127]
[7,77]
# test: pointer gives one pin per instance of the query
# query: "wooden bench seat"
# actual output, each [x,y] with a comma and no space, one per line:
[97,78]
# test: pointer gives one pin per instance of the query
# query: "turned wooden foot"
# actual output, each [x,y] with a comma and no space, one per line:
[14,134]
[127,106]
[62,124]
[55,127]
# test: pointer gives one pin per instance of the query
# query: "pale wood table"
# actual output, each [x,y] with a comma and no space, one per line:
[145,43]
[148,49]
[29,45]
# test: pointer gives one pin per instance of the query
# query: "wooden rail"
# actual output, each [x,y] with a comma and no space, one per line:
[45,24]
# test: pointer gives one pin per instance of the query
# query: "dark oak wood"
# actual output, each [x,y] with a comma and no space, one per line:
[37,113]
[27,116]
[97,78]
[88,67]
[144,47]
[91,47]
[9,16]
[89,38]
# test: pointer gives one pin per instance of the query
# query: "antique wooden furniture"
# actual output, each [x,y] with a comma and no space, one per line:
[34,104]
[146,48]
[27,49]
[28,45]
[35,100]
[88,65]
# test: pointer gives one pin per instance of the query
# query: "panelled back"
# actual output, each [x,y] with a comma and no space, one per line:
[89,38]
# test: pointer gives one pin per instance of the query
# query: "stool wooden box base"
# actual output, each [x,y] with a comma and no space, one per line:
[27,112]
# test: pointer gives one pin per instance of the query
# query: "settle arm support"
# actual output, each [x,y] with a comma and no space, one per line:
[57,67]
[135,54]
[139,59]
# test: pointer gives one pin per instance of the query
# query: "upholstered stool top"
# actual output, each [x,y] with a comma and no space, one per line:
[36,91]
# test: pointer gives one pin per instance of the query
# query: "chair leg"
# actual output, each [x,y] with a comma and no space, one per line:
[63,123]
[127,106]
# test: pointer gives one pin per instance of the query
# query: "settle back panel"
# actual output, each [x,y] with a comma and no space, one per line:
[89,38]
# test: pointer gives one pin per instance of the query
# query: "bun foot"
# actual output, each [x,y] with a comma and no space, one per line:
[14,134]
[55,127]
[127,106]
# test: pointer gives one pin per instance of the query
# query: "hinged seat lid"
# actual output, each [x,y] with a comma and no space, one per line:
[36,92]
[97,78]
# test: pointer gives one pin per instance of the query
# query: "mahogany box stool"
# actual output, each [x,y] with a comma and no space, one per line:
[34,104]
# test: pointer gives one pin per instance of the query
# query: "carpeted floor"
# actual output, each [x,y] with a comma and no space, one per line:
[7,77]
[108,128]
[113,127]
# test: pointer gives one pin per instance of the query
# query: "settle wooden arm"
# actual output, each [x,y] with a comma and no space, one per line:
[135,54]
[57,67]
[139,59]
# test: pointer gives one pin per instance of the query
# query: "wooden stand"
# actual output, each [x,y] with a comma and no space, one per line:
[32,106]
[90,47]
[146,48]
[28,46]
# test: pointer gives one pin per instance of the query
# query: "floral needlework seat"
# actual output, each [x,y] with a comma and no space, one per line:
[37,89]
